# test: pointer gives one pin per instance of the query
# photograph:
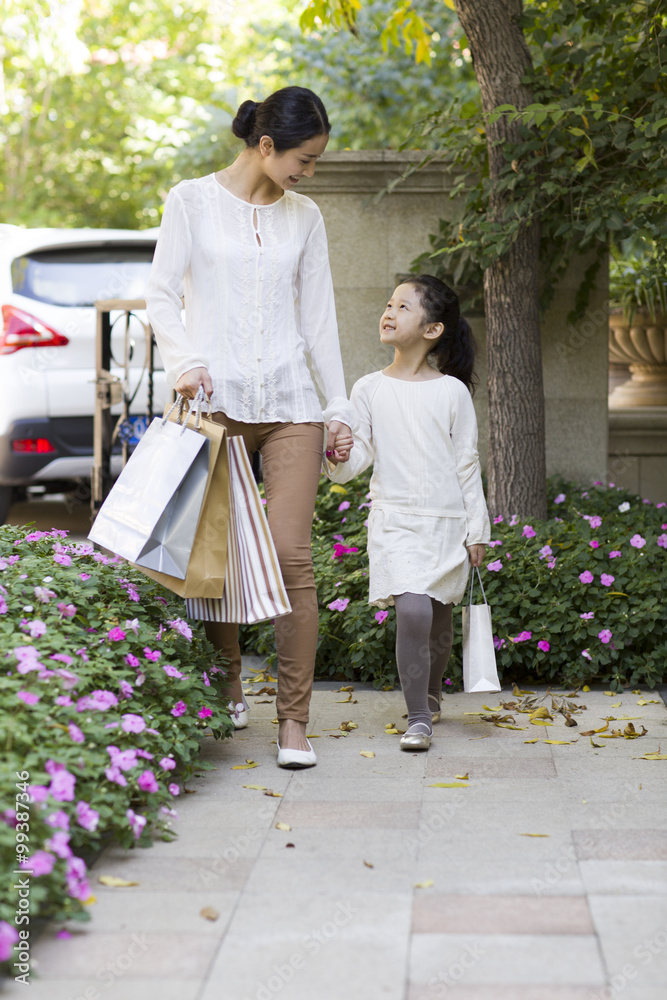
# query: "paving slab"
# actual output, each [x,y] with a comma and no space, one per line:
[543,878]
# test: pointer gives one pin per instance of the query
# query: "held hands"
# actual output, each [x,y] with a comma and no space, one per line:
[476,554]
[339,442]
[189,382]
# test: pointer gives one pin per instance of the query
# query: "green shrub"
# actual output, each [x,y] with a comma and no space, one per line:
[538,600]
[105,697]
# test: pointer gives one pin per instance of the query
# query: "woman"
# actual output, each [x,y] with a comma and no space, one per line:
[250,256]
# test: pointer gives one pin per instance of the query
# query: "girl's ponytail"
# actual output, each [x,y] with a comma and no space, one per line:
[454,352]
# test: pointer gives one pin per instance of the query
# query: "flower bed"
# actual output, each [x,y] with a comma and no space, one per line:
[577,598]
[106,694]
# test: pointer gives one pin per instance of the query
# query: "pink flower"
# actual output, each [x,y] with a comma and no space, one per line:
[147,782]
[131,660]
[180,708]
[607,579]
[551,563]
[86,816]
[204,712]
[59,844]
[66,610]
[615,554]
[97,701]
[36,628]
[44,595]
[495,567]
[75,733]
[595,521]
[339,604]
[448,682]
[58,820]
[594,544]
[40,863]
[515,520]
[152,654]
[586,654]
[126,689]
[136,821]
[342,550]
[339,538]
[380,616]
[493,544]
[498,643]
[167,764]
[181,627]
[84,576]
[498,520]
[38,793]
[63,934]
[114,773]
[64,700]
[662,541]
[116,634]
[559,498]
[172,671]
[62,658]
[587,615]
[604,635]
[345,505]
[174,789]
[543,645]
[62,559]
[637,541]
[28,697]
[131,723]
[522,637]
[586,576]
[124,759]
[207,682]
[8,938]
[62,784]
[545,551]
[528,531]
[78,886]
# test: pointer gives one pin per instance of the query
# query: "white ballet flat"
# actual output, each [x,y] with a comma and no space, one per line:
[437,714]
[415,738]
[296,758]
[239,714]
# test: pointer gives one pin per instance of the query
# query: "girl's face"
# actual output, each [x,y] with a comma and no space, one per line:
[403,323]
[287,168]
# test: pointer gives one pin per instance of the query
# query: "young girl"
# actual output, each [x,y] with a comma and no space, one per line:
[428,521]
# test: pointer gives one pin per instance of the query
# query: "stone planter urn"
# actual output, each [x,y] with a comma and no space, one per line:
[641,344]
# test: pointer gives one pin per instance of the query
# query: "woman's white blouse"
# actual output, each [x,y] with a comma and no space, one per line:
[259,303]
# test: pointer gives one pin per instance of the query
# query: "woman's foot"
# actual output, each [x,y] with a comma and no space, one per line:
[238,706]
[416,737]
[294,749]
[434,707]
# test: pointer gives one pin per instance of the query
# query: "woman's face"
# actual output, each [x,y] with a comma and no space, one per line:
[287,168]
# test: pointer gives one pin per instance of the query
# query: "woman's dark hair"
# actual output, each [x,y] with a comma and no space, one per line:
[454,351]
[290,117]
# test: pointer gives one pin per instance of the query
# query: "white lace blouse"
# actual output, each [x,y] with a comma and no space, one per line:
[259,303]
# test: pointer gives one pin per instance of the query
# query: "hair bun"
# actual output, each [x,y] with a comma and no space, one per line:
[244,122]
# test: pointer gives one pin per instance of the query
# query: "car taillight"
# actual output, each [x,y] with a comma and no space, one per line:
[33,446]
[20,329]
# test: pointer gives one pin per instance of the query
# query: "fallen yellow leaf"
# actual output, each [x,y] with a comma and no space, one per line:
[348,687]
[391,732]
[272,794]
[610,694]
[346,727]
[462,777]
[209,913]
[637,691]
[426,884]
[616,704]
[534,834]
[368,864]
[366,753]
[561,743]
[538,722]
[313,736]
[245,767]
[448,784]
[652,756]
[114,881]
[585,688]
[283,826]
[89,902]
[540,713]
[473,713]
[598,746]
[649,701]
[257,788]
[532,741]
[496,709]
[517,692]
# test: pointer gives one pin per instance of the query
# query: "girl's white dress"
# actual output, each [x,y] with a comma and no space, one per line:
[426,489]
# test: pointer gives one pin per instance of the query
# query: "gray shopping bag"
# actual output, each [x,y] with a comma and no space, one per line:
[151,513]
[479,656]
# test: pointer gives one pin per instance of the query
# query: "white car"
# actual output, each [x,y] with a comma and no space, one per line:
[49,281]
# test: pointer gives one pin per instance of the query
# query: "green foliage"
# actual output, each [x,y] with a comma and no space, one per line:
[529,590]
[96,661]
[638,280]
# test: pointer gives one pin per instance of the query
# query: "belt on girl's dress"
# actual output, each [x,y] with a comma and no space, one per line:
[418,511]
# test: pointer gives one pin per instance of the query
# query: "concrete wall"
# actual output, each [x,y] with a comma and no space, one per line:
[372,241]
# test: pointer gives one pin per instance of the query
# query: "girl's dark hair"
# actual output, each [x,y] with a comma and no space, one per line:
[454,351]
[290,117]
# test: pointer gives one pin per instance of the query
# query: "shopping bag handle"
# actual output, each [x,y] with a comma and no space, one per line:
[195,405]
[472,580]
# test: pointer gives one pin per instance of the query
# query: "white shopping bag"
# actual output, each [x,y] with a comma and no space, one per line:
[479,656]
[151,513]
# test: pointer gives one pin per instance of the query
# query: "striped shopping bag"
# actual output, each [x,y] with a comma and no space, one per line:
[254,590]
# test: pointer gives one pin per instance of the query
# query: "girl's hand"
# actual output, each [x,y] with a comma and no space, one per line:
[476,554]
[189,382]
[339,441]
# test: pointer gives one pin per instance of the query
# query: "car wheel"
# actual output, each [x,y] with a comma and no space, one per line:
[6,500]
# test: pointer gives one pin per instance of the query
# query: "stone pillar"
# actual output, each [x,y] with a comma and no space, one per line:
[372,241]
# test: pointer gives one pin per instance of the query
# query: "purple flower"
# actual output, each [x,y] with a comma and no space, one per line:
[86,816]
[604,635]
[551,563]
[167,764]
[136,822]
[522,637]
[637,541]
[28,697]
[152,654]
[180,708]
[545,551]
[204,712]
[587,615]
[40,863]
[498,643]
[147,782]
[493,544]
[615,554]
[380,616]
[339,604]
[543,645]
[594,544]
[115,774]
[344,505]
[662,541]
[607,579]
[495,566]
[174,789]
[595,521]
[515,520]
[62,559]
[59,820]
[78,886]
[126,689]
[586,654]
[66,610]
[44,595]
[559,498]
[181,627]
[59,844]
[116,634]
[172,671]
[97,701]
[36,628]
[75,733]
[84,576]
[8,938]
[62,784]
[528,531]
[64,700]
[342,550]
[338,538]
[207,682]
[131,723]
[124,759]
[38,793]
[498,520]
[586,576]
[131,660]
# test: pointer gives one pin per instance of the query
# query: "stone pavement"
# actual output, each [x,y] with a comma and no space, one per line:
[543,879]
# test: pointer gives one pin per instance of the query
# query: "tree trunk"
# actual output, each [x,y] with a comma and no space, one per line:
[516,465]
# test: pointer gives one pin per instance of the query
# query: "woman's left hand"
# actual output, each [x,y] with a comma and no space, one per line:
[339,440]
[476,554]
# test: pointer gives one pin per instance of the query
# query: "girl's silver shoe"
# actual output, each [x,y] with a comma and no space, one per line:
[415,738]
[436,714]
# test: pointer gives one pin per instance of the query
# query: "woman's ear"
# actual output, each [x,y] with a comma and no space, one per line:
[266,146]
[434,331]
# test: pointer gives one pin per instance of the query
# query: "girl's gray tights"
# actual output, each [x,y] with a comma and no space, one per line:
[423,644]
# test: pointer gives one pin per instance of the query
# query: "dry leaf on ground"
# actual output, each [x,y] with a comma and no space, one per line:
[366,753]
[272,794]
[245,767]
[368,864]
[209,913]
[534,834]
[283,826]
[426,884]
[347,727]
[256,788]
[462,777]
[448,784]
[114,881]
